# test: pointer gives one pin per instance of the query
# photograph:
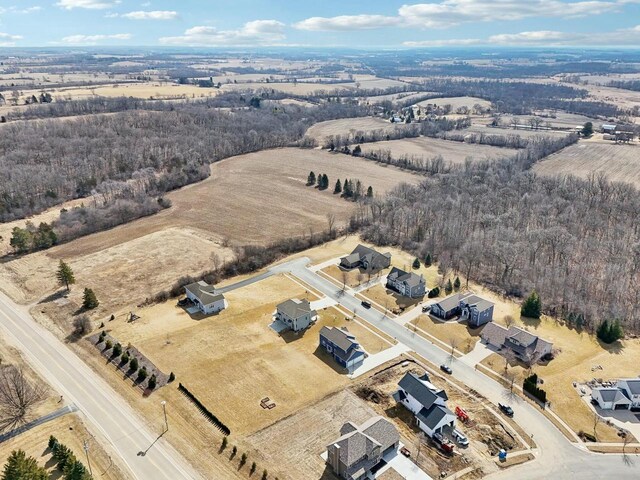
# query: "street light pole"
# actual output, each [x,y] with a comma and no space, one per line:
[86,451]
[164,409]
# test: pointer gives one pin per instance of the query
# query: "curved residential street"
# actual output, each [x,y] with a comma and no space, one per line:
[555,456]
[104,411]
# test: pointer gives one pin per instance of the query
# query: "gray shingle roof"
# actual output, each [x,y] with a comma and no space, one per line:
[634,385]
[340,338]
[294,308]
[376,259]
[355,444]
[204,292]
[494,334]
[449,303]
[409,278]
[480,303]
[611,394]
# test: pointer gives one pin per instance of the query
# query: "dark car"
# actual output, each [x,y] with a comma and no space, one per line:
[506,409]
[366,304]
[405,451]
[446,369]
[426,308]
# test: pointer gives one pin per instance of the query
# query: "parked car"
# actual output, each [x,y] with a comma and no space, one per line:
[506,409]
[366,304]
[460,437]
[426,308]
[405,451]
[446,369]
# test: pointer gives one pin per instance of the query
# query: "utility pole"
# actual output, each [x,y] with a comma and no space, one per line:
[85,445]
[164,409]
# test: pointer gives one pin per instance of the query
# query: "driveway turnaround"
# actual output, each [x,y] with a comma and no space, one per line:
[107,414]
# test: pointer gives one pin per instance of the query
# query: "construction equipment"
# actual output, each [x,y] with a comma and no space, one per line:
[461,414]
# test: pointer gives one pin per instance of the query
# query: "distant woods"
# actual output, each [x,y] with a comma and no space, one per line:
[132,155]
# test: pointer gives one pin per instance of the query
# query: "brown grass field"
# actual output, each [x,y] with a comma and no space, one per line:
[127,263]
[620,163]
[457,102]
[506,130]
[464,338]
[345,126]
[454,152]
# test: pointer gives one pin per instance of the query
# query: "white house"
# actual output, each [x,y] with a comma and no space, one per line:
[427,402]
[631,388]
[610,398]
[205,298]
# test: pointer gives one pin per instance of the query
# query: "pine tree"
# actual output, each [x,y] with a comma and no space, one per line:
[65,275]
[338,187]
[370,192]
[456,284]
[416,263]
[319,180]
[427,260]
[325,182]
[76,471]
[311,179]
[532,306]
[448,288]
[89,299]
[357,151]
[21,467]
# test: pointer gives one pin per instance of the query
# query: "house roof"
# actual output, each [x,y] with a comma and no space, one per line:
[412,384]
[452,301]
[480,303]
[339,337]
[294,308]
[525,343]
[494,334]
[375,259]
[433,415]
[409,278]
[523,337]
[359,442]
[609,394]
[204,292]
[633,385]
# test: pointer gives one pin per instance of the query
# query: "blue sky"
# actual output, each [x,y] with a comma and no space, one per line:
[317,23]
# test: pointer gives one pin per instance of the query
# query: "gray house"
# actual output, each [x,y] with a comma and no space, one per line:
[366,258]
[343,347]
[205,297]
[468,306]
[525,346]
[448,307]
[406,283]
[361,448]
[296,314]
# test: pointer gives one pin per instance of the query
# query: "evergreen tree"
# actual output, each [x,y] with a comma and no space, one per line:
[76,471]
[427,260]
[448,288]
[357,193]
[416,263]
[89,299]
[65,275]
[357,151]
[21,240]
[21,467]
[587,129]
[338,187]
[319,180]
[370,192]
[532,306]
[311,179]
[456,284]
[325,182]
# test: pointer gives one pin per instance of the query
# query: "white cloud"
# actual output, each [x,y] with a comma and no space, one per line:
[449,13]
[8,40]
[94,39]
[347,22]
[622,37]
[263,32]
[88,4]
[150,15]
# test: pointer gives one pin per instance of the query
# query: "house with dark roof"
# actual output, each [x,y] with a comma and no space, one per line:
[343,347]
[366,258]
[448,307]
[360,449]
[631,388]
[525,346]
[205,297]
[296,314]
[476,310]
[610,398]
[406,283]
[427,402]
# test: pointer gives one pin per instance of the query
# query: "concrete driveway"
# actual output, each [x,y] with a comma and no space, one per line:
[478,354]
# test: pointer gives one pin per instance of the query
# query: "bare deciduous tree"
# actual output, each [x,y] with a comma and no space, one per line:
[18,396]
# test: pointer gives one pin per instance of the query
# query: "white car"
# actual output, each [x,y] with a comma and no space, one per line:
[460,437]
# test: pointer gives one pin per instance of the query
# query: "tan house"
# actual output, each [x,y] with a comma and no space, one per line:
[296,314]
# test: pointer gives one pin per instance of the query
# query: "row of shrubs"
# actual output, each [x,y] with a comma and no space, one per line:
[243,459]
[66,461]
[204,410]
[530,385]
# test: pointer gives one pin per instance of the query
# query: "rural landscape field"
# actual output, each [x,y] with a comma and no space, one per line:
[385,241]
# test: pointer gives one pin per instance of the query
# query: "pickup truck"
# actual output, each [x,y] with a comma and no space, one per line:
[506,409]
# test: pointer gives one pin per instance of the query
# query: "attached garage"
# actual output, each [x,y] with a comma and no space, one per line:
[610,398]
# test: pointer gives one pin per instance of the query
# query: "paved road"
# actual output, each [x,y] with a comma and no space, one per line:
[244,283]
[105,412]
[557,457]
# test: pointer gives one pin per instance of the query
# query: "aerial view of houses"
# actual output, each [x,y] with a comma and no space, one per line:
[525,346]
[408,284]
[366,258]
[343,347]
[204,297]
[295,314]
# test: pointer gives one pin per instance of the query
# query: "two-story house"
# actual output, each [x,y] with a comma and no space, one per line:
[366,258]
[427,402]
[296,314]
[343,347]
[204,296]
[406,283]
[525,346]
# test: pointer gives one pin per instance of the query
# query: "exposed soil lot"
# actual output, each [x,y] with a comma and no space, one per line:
[455,152]
[618,162]
[346,126]
[477,128]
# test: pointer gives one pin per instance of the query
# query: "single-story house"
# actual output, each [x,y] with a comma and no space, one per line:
[360,449]
[366,258]
[296,314]
[427,402]
[205,297]
[609,128]
[525,346]
[610,398]
[631,388]
[343,347]
[476,310]
[406,283]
